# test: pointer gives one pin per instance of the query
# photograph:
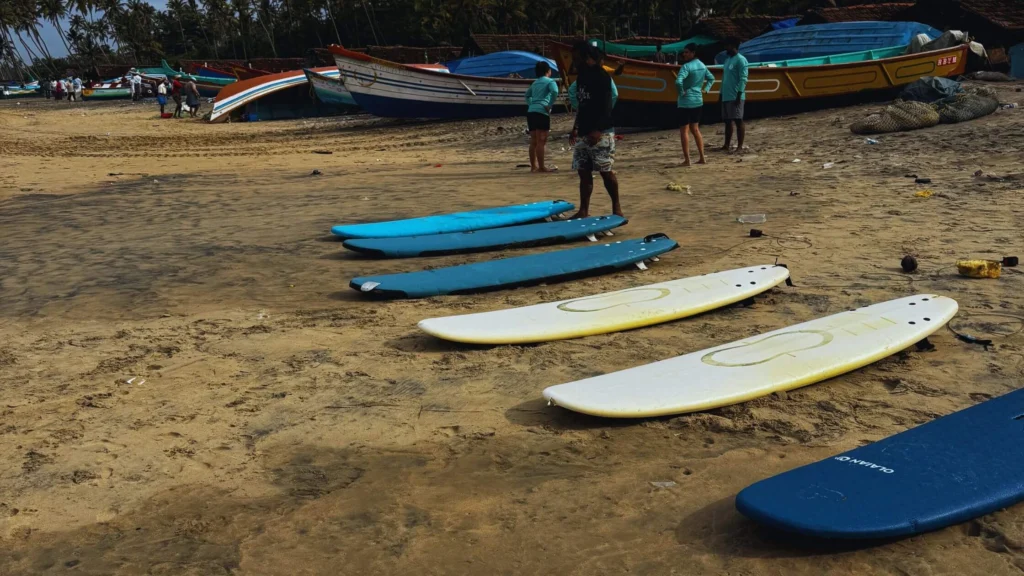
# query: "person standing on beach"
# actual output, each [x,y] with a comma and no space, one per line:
[77,88]
[192,97]
[161,96]
[136,86]
[593,134]
[176,95]
[733,93]
[690,83]
[659,56]
[540,97]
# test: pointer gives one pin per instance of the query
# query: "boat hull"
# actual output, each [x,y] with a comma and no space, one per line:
[647,92]
[245,92]
[394,90]
[106,93]
[330,90]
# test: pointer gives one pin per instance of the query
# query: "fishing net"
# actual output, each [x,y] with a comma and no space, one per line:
[964,107]
[981,90]
[898,117]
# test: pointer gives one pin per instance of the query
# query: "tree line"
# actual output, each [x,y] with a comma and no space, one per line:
[98,32]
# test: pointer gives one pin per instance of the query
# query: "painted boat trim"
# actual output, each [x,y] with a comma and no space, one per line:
[233,96]
[647,82]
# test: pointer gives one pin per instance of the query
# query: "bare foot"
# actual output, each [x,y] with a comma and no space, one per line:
[552,169]
[619,213]
[723,149]
[702,161]
[580,214]
[685,163]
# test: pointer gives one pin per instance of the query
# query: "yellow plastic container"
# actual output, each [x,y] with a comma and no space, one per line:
[979,268]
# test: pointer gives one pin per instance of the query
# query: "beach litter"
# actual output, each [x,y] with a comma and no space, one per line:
[673,187]
[752,219]
[922,180]
[663,485]
[979,268]
[315,172]
[924,193]
[828,165]
[909,263]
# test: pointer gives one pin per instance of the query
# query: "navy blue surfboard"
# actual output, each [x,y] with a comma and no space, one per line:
[520,271]
[480,240]
[457,222]
[941,473]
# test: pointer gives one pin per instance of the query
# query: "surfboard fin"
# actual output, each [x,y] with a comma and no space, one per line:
[368,286]
[641,265]
[591,237]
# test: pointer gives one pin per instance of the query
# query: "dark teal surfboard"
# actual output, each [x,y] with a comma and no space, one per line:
[941,473]
[481,240]
[521,271]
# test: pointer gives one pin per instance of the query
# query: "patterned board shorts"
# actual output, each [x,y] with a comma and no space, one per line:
[599,157]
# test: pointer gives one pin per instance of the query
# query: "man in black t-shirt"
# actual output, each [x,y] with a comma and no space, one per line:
[593,135]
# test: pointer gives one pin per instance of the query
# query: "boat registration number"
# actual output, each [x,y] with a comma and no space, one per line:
[945,60]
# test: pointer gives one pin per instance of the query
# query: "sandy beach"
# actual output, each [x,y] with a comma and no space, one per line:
[188,386]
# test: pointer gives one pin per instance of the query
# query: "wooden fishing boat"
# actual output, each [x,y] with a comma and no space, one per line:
[647,91]
[395,90]
[106,93]
[329,89]
[20,90]
[244,92]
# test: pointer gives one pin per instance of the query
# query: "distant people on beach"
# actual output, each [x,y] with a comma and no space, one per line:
[136,84]
[161,96]
[593,134]
[58,89]
[176,95]
[540,98]
[192,97]
[659,56]
[76,86]
[733,93]
[693,81]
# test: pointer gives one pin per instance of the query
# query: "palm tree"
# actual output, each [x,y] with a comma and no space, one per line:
[54,11]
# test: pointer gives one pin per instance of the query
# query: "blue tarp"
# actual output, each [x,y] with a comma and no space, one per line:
[513,63]
[1017,61]
[818,40]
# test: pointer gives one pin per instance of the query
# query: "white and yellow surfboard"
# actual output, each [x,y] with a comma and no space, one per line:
[753,367]
[609,312]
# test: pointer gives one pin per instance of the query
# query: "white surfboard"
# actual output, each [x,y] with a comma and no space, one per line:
[609,312]
[756,366]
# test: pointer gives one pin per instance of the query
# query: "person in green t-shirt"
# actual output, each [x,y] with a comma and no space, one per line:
[540,97]
[733,93]
[690,83]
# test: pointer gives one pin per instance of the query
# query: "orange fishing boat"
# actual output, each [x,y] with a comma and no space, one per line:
[647,91]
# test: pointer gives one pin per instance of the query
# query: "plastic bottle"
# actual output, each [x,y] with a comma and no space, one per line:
[752,219]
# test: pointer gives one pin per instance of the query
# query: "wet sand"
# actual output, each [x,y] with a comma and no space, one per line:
[188,385]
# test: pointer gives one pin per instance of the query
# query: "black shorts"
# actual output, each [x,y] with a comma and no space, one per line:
[686,116]
[538,121]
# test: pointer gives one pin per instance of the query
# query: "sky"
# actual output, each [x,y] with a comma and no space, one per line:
[52,38]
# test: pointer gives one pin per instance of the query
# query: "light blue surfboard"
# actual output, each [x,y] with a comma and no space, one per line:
[457,222]
[490,239]
[521,271]
[941,473]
